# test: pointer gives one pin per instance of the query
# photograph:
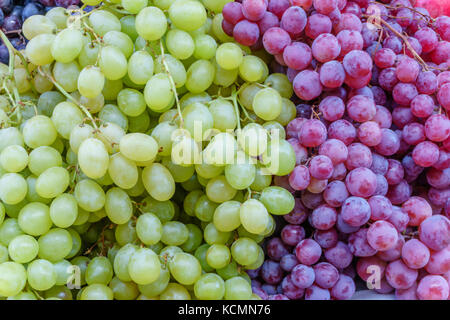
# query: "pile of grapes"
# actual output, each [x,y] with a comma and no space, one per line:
[372,144]
[135,162]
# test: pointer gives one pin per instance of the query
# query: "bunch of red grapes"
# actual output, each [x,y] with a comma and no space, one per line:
[372,140]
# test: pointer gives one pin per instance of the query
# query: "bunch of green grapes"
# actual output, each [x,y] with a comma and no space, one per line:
[137,148]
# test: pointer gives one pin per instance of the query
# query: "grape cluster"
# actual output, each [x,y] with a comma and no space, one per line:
[137,146]
[372,144]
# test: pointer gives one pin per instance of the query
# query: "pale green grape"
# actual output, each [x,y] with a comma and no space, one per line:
[82,218]
[110,134]
[42,158]
[36,25]
[219,190]
[223,114]
[178,172]
[187,15]
[245,251]
[210,286]
[176,68]
[111,113]
[55,245]
[123,290]
[64,210]
[120,40]
[13,188]
[253,139]
[194,240]
[175,291]
[23,296]
[224,77]
[78,134]
[113,63]
[204,208]
[267,104]
[52,182]
[215,5]
[227,216]
[62,270]
[158,93]
[151,23]
[229,56]
[144,267]
[128,26]
[214,236]
[164,210]
[41,83]
[82,263]
[237,288]
[47,102]
[138,147]
[38,49]
[39,131]
[205,47]
[190,201]
[281,83]
[122,171]
[90,82]
[22,83]
[274,129]
[208,171]
[32,195]
[67,45]
[9,230]
[140,123]
[89,195]
[95,104]
[174,233]
[118,206]
[65,117]
[180,44]
[14,158]
[288,112]
[103,21]
[251,69]
[185,268]
[277,200]
[13,278]
[221,150]
[140,67]
[41,275]
[190,98]
[241,174]
[185,150]
[158,182]
[149,228]
[279,157]
[200,75]
[89,54]
[197,120]
[218,256]
[99,270]
[58,16]
[262,179]
[158,286]
[23,249]
[122,260]
[58,293]
[247,94]
[254,216]
[93,158]
[97,292]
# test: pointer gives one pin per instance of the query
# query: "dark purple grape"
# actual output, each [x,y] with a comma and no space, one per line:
[271,272]
[32,9]
[66,3]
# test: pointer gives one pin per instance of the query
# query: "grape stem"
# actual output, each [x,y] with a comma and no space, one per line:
[236,108]
[68,96]
[172,83]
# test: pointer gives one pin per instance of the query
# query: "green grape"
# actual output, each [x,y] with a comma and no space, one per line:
[10,136]
[4,255]
[227,216]
[174,233]
[122,260]
[223,114]
[190,201]
[221,150]
[218,256]
[43,158]
[38,49]
[103,21]
[97,292]
[14,158]
[189,98]
[13,188]
[138,189]
[185,150]
[144,267]
[194,240]
[90,82]
[41,275]
[82,218]
[163,5]
[176,68]
[23,296]
[76,243]
[36,25]
[62,269]
[158,286]
[93,158]
[254,216]
[262,180]
[197,120]
[200,75]
[288,112]
[229,271]
[204,208]
[208,171]
[110,134]
[23,84]
[128,26]
[81,262]
[247,94]
[138,147]
[210,286]
[277,200]
[242,232]
[59,292]
[179,44]
[164,210]
[224,77]
[122,171]
[47,102]
[64,210]
[120,40]
[237,288]
[78,134]
[111,113]
[168,252]
[158,182]
[245,251]
[113,63]
[168,115]
[253,139]
[23,249]
[55,245]
[157,247]
[279,157]
[275,130]
[88,55]
[185,268]
[52,182]
[13,278]
[200,254]
[205,47]
[140,67]
[125,233]
[9,230]
[65,117]
[267,104]
[39,131]
[217,31]
[149,229]
[140,123]
[281,83]
[41,83]
[179,173]
[229,56]
[214,236]
[99,270]
[58,16]
[219,190]
[174,291]
[259,261]
[187,15]
[89,195]
[158,93]
[118,206]
[241,174]
[95,104]
[2,213]
[215,6]
[67,45]
[151,23]
[123,290]
[251,69]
